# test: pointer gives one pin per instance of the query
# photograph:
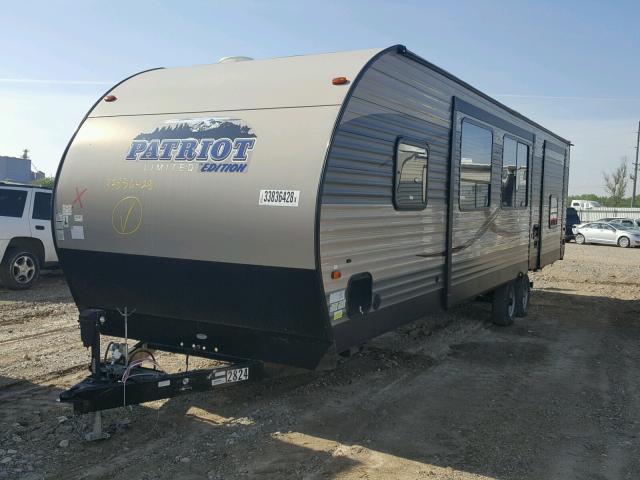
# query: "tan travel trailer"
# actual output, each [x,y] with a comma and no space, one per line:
[286,210]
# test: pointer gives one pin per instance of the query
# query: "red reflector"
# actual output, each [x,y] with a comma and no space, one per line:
[110,98]
[340,80]
[336,274]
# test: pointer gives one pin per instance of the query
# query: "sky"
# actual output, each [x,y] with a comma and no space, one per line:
[572,66]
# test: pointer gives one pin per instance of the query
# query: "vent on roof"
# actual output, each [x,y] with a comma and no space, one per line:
[234,59]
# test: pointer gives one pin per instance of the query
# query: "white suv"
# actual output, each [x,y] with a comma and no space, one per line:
[26,241]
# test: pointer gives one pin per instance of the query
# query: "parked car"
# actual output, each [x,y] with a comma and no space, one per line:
[586,204]
[26,242]
[624,221]
[607,233]
[573,220]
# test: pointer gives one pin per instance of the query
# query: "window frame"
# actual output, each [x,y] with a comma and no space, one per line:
[529,155]
[490,128]
[414,142]
[557,224]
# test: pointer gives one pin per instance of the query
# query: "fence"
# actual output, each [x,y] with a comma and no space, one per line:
[592,214]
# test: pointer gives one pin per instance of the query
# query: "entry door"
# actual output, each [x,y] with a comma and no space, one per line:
[547,236]
[537,211]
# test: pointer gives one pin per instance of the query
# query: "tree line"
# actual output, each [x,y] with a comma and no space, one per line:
[615,185]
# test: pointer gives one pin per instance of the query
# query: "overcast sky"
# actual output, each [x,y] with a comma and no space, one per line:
[571,66]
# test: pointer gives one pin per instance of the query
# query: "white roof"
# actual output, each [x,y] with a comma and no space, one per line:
[256,84]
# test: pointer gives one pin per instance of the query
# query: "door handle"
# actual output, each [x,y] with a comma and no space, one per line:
[39,227]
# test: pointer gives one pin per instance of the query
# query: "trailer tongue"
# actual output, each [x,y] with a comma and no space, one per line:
[126,381]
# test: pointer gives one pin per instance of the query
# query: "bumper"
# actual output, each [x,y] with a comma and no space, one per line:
[265,313]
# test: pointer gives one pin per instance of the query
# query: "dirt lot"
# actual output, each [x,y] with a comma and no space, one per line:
[555,396]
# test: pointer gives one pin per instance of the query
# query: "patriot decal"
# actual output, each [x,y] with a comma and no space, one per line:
[218,144]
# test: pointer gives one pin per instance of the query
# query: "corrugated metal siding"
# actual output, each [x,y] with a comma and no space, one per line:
[360,231]
[554,174]
[403,250]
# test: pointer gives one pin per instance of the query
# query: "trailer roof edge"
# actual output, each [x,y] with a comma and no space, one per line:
[401,49]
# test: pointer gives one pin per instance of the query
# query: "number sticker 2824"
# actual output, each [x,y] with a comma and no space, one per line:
[238,375]
[279,198]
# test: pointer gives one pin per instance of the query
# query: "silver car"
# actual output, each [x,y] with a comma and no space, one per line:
[607,233]
[624,221]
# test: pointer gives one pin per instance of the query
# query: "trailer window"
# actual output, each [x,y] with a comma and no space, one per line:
[476,145]
[515,177]
[42,206]
[553,211]
[12,202]
[410,192]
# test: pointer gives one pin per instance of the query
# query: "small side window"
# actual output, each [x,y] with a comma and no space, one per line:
[12,202]
[410,188]
[553,211]
[42,206]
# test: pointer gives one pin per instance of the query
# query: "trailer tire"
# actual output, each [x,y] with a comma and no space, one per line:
[523,295]
[20,269]
[504,304]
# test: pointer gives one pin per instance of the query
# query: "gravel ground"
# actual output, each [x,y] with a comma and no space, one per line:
[554,396]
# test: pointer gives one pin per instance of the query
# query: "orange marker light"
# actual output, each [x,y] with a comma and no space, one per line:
[336,274]
[110,98]
[340,80]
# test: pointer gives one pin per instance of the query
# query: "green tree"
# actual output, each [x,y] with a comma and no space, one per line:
[47,182]
[615,183]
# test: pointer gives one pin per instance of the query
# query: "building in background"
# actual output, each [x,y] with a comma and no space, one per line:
[18,169]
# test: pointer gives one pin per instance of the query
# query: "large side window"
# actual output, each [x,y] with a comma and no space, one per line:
[476,145]
[12,202]
[42,206]
[553,211]
[410,192]
[515,173]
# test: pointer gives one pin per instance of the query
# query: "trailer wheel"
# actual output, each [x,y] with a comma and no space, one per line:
[504,304]
[523,294]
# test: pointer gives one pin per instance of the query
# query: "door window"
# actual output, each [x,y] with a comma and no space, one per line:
[553,211]
[42,206]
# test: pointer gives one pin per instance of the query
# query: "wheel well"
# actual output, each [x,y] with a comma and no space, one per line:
[30,244]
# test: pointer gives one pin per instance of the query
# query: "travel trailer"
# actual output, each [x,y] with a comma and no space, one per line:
[287,210]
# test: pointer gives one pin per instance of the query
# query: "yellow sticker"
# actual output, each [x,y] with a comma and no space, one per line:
[337,315]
